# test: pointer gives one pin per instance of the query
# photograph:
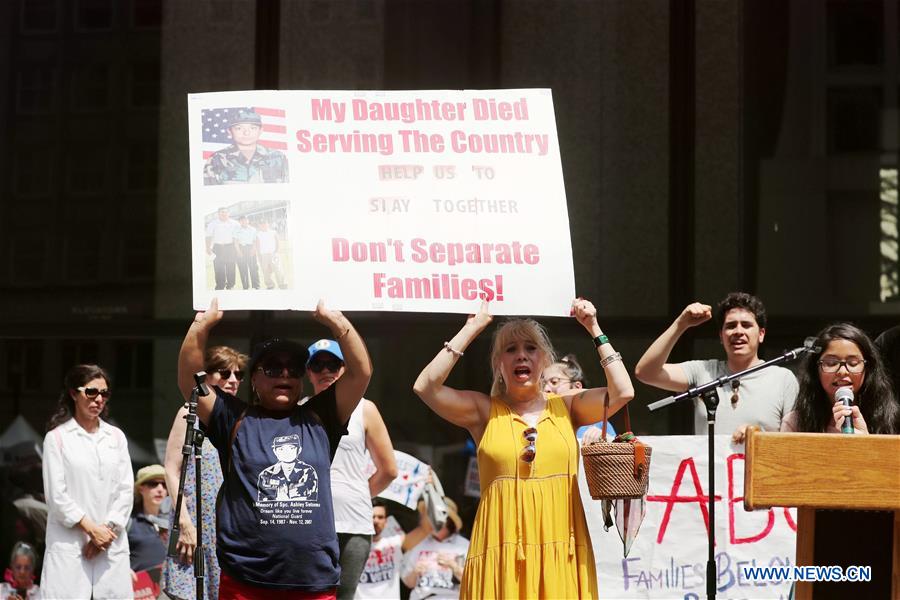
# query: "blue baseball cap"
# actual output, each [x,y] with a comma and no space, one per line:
[323,345]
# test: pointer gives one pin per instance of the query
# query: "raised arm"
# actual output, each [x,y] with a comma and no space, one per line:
[357,365]
[586,406]
[653,368]
[464,408]
[190,357]
[379,445]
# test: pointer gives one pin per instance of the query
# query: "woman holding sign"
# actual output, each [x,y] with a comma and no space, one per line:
[275,518]
[530,538]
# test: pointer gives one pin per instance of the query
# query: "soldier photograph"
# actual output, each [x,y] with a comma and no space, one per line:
[245,160]
[290,478]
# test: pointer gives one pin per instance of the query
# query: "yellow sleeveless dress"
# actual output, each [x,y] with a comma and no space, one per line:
[530,538]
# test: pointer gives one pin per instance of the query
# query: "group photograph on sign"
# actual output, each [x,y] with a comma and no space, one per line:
[472,299]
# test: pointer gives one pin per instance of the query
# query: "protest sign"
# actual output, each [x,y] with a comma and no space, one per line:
[425,201]
[668,558]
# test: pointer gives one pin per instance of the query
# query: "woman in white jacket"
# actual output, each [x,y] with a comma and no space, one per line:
[89,485]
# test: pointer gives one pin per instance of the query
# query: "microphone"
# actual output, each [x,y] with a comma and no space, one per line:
[844,395]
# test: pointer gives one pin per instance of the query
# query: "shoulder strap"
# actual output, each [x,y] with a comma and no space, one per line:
[234,431]
[606,417]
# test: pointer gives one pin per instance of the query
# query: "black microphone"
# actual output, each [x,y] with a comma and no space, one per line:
[844,395]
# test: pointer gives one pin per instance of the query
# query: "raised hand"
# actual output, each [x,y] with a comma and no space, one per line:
[585,313]
[695,314]
[210,317]
[482,318]
[332,319]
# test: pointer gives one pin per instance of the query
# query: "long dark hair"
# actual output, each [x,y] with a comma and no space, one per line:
[876,399]
[76,377]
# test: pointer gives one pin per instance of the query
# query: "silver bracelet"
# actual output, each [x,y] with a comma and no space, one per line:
[610,359]
[451,350]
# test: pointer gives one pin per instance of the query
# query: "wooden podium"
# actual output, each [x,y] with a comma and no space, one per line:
[839,472]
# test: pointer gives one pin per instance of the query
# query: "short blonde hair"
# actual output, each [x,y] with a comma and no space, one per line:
[516,330]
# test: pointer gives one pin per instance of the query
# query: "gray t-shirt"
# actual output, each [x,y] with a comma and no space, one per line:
[764,397]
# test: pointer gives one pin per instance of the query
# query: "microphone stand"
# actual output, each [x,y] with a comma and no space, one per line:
[707,392]
[193,443]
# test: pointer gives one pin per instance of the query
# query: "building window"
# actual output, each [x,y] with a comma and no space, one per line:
[94,15]
[36,89]
[890,235]
[147,14]
[34,168]
[39,16]
[82,255]
[141,172]
[90,87]
[134,365]
[79,352]
[88,167]
[854,120]
[24,365]
[28,258]
[855,33]
[145,84]
[138,255]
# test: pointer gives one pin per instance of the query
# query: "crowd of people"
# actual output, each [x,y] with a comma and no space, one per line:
[289,483]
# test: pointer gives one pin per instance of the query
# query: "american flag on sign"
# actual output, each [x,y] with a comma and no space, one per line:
[216,121]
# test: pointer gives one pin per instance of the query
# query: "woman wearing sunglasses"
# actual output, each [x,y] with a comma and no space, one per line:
[224,367]
[145,527]
[351,489]
[275,520]
[88,485]
[530,538]
[849,359]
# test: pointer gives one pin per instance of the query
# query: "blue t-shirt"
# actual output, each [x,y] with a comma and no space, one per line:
[275,520]
[610,432]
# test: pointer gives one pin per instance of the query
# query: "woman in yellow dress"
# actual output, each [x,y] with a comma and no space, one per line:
[530,538]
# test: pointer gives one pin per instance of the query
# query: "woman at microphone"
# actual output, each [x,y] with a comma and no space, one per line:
[849,362]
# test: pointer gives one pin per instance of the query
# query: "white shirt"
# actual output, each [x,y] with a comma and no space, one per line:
[349,481]
[267,241]
[222,232]
[86,474]
[380,577]
[437,581]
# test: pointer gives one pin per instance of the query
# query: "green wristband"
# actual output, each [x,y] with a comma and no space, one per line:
[600,340]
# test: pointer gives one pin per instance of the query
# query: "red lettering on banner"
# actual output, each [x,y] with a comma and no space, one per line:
[674,498]
[732,500]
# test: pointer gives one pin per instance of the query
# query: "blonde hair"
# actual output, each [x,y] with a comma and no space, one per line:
[516,330]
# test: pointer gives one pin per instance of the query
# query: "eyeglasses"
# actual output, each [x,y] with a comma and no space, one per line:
[555,381]
[853,364]
[226,373]
[276,369]
[530,450]
[92,392]
[154,484]
[332,364]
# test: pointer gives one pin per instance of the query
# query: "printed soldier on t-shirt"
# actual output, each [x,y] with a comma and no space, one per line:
[289,478]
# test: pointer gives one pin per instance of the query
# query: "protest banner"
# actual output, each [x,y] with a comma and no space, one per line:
[424,201]
[668,558]
[406,488]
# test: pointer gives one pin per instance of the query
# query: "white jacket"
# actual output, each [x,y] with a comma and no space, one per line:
[86,474]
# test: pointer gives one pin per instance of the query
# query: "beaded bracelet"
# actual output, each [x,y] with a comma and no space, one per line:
[610,359]
[451,350]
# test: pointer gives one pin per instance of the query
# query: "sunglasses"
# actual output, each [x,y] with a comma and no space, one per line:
[332,364]
[92,392]
[226,373]
[274,370]
[530,450]
[152,484]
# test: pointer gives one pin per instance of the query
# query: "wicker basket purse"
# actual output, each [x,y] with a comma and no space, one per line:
[617,469]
